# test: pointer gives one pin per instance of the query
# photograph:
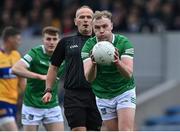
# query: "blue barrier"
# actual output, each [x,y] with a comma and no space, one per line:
[163,120]
[173,110]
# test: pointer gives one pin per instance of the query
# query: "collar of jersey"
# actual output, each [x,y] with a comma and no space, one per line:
[112,39]
[43,48]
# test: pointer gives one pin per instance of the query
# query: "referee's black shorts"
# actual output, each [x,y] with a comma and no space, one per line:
[81,111]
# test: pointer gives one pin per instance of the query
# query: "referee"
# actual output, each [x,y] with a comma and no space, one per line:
[79,101]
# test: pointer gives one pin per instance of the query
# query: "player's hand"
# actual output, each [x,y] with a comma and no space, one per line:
[92,58]
[42,77]
[116,57]
[47,97]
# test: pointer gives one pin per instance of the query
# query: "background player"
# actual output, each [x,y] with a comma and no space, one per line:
[34,66]
[9,83]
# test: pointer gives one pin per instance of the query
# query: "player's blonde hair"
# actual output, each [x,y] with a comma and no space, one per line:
[99,14]
[50,30]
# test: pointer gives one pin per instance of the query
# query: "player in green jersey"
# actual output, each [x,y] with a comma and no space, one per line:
[34,66]
[113,85]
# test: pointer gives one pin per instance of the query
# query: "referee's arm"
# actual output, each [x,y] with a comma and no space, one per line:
[51,77]
[56,60]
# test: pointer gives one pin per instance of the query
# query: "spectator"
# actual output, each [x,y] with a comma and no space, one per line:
[133,23]
[157,15]
[119,16]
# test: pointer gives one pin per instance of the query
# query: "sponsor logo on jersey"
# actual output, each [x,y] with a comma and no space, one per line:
[28,58]
[73,46]
[129,51]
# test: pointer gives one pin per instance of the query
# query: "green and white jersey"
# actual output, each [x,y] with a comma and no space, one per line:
[38,61]
[109,82]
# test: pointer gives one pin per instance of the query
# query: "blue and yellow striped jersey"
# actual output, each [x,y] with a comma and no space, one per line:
[8,81]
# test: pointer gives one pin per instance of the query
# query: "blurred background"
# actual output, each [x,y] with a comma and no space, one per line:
[153,26]
[133,16]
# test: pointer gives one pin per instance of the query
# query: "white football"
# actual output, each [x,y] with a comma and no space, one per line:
[103,52]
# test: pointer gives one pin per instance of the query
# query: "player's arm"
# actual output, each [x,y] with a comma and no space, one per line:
[90,66]
[124,65]
[21,69]
[21,84]
[90,69]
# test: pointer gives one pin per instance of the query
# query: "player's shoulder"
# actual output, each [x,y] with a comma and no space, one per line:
[15,53]
[120,37]
[92,40]
[38,48]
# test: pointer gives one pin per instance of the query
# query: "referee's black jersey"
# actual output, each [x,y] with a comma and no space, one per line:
[69,49]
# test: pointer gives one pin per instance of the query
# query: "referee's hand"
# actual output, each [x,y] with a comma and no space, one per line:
[47,97]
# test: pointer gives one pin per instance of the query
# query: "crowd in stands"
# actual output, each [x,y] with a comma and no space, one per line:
[30,16]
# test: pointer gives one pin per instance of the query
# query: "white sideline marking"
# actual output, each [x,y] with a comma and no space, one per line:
[156,91]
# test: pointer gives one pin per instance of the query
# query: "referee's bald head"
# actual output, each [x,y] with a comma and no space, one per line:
[83,7]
